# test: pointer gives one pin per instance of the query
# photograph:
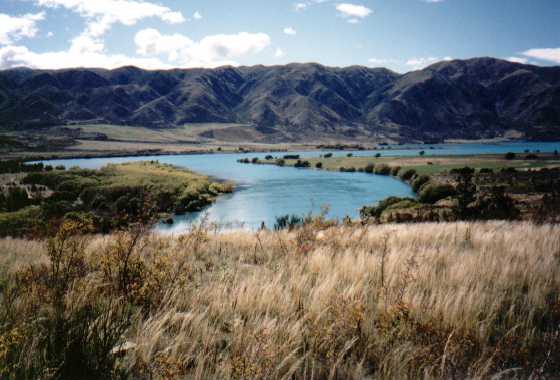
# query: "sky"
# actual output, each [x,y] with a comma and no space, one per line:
[402,35]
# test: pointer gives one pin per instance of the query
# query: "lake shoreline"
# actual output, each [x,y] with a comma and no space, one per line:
[69,154]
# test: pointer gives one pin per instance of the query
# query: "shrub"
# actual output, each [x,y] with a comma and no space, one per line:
[383,169]
[369,168]
[349,155]
[319,165]
[302,164]
[291,157]
[510,156]
[408,174]
[288,222]
[496,205]
[376,211]
[531,156]
[268,157]
[255,160]
[486,171]
[395,170]
[419,182]
[280,162]
[19,223]
[432,192]
[327,155]
[377,155]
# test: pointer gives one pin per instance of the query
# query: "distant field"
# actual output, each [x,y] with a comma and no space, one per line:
[188,133]
[434,165]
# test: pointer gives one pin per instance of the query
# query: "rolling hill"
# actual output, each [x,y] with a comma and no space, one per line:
[461,99]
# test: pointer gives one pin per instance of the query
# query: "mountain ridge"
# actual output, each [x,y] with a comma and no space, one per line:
[461,99]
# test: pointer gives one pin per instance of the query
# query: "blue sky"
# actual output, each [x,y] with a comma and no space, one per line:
[402,35]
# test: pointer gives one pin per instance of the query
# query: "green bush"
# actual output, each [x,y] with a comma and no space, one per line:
[319,165]
[395,170]
[19,223]
[383,169]
[419,182]
[288,222]
[407,174]
[433,192]
[376,211]
[302,164]
[369,168]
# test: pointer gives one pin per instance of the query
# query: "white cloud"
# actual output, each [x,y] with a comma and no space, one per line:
[433,1]
[12,28]
[517,60]
[279,53]
[197,15]
[14,56]
[50,34]
[549,55]
[290,31]
[420,63]
[152,42]
[211,51]
[353,12]
[299,7]
[382,61]
[102,14]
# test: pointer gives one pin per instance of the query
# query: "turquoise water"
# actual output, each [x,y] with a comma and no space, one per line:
[265,192]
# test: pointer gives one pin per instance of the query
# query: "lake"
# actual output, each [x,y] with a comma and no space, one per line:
[265,192]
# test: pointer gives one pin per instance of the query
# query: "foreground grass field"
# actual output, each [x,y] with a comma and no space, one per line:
[456,300]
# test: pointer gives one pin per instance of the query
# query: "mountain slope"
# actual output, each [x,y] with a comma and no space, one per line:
[477,98]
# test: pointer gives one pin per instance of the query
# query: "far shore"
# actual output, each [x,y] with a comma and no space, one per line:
[85,149]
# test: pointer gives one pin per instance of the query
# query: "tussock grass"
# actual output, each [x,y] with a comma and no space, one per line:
[451,300]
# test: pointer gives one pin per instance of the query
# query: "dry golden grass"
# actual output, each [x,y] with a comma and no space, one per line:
[450,300]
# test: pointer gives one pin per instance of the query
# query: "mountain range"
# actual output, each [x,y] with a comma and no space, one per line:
[459,99]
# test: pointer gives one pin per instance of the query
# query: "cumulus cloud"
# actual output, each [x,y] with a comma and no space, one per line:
[420,63]
[290,31]
[548,55]
[353,12]
[14,56]
[102,14]
[383,61]
[299,7]
[197,15]
[152,42]
[517,60]
[211,51]
[12,28]
[279,53]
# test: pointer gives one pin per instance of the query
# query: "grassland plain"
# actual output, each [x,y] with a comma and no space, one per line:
[94,140]
[430,165]
[448,300]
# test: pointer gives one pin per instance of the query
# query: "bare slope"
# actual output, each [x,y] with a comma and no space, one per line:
[475,98]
